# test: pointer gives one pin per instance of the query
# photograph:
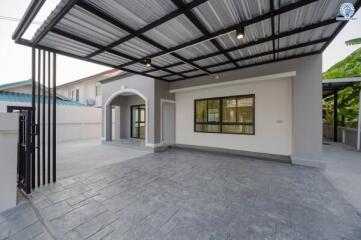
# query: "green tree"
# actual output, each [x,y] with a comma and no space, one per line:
[347,101]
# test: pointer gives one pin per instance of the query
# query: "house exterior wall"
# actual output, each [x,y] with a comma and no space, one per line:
[273,118]
[153,90]
[114,87]
[87,91]
[122,118]
[306,101]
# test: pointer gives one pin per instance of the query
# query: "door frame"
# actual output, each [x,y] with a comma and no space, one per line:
[138,106]
[162,101]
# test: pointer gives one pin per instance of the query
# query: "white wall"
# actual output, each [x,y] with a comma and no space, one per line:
[8,159]
[273,119]
[73,122]
[86,90]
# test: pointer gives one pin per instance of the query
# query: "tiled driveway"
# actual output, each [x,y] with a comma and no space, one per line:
[184,195]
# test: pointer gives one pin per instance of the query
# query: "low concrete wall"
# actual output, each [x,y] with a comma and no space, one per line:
[8,159]
[73,122]
[345,135]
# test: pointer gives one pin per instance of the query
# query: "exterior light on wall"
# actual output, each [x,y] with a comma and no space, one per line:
[148,62]
[240,32]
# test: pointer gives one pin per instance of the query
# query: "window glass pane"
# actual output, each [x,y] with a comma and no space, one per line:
[245,110]
[201,111]
[207,128]
[213,110]
[244,129]
[213,128]
[229,110]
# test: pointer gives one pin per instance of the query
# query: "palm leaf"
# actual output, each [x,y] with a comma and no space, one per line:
[353,41]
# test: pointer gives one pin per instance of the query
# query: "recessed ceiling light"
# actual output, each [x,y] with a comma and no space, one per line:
[148,62]
[240,32]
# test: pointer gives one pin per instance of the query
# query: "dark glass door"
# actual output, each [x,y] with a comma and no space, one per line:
[137,119]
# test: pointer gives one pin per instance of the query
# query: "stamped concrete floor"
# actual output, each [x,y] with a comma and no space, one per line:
[81,156]
[183,195]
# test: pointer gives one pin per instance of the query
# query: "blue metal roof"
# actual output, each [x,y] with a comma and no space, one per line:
[6,86]
[23,97]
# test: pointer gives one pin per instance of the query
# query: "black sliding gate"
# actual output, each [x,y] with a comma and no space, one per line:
[37,125]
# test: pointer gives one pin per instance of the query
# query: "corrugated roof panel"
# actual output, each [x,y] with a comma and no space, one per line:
[216,14]
[198,50]
[253,32]
[311,13]
[194,73]
[158,73]
[174,32]
[164,60]
[212,60]
[179,68]
[136,48]
[253,50]
[61,43]
[110,58]
[221,67]
[173,77]
[138,67]
[255,60]
[136,13]
[86,25]
[307,36]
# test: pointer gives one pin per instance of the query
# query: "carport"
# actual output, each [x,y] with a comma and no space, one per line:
[177,42]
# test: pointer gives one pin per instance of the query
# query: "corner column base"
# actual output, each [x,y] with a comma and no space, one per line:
[308,162]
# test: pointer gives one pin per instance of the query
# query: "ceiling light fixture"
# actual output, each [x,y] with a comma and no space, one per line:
[148,62]
[240,32]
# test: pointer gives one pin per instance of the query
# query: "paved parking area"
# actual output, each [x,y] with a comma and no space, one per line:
[344,170]
[183,195]
[78,157]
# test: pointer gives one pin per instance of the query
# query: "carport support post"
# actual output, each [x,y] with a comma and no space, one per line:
[108,122]
[359,123]
[335,116]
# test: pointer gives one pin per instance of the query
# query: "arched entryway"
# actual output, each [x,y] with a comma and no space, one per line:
[126,116]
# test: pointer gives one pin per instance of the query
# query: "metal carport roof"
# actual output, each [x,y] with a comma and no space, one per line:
[185,38]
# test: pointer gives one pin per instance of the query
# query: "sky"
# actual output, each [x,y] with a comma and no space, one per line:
[15,60]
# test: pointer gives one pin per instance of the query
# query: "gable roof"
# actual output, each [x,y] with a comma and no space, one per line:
[24,97]
[98,77]
[7,86]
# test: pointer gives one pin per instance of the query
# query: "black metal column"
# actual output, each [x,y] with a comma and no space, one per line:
[335,124]
[49,115]
[43,116]
[38,116]
[54,117]
[33,123]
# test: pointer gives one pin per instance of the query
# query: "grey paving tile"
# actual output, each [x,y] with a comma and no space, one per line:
[56,210]
[184,195]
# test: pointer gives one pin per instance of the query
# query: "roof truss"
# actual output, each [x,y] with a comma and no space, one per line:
[187,10]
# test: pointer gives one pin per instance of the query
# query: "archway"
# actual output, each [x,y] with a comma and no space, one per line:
[124,128]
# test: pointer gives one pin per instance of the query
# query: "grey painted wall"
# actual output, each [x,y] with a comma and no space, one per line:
[153,90]
[143,85]
[307,92]
[122,119]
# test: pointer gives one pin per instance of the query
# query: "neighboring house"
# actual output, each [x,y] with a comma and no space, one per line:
[86,90]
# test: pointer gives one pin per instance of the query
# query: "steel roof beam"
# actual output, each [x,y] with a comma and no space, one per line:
[95,45]
[232,28]
[69,5]
[252,65]
[264,40]
[119,24]
[137,33]
[193,18]
[306,44]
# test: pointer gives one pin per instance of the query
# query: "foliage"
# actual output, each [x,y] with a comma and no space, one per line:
[348,99]
[354,41]
[349,67]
